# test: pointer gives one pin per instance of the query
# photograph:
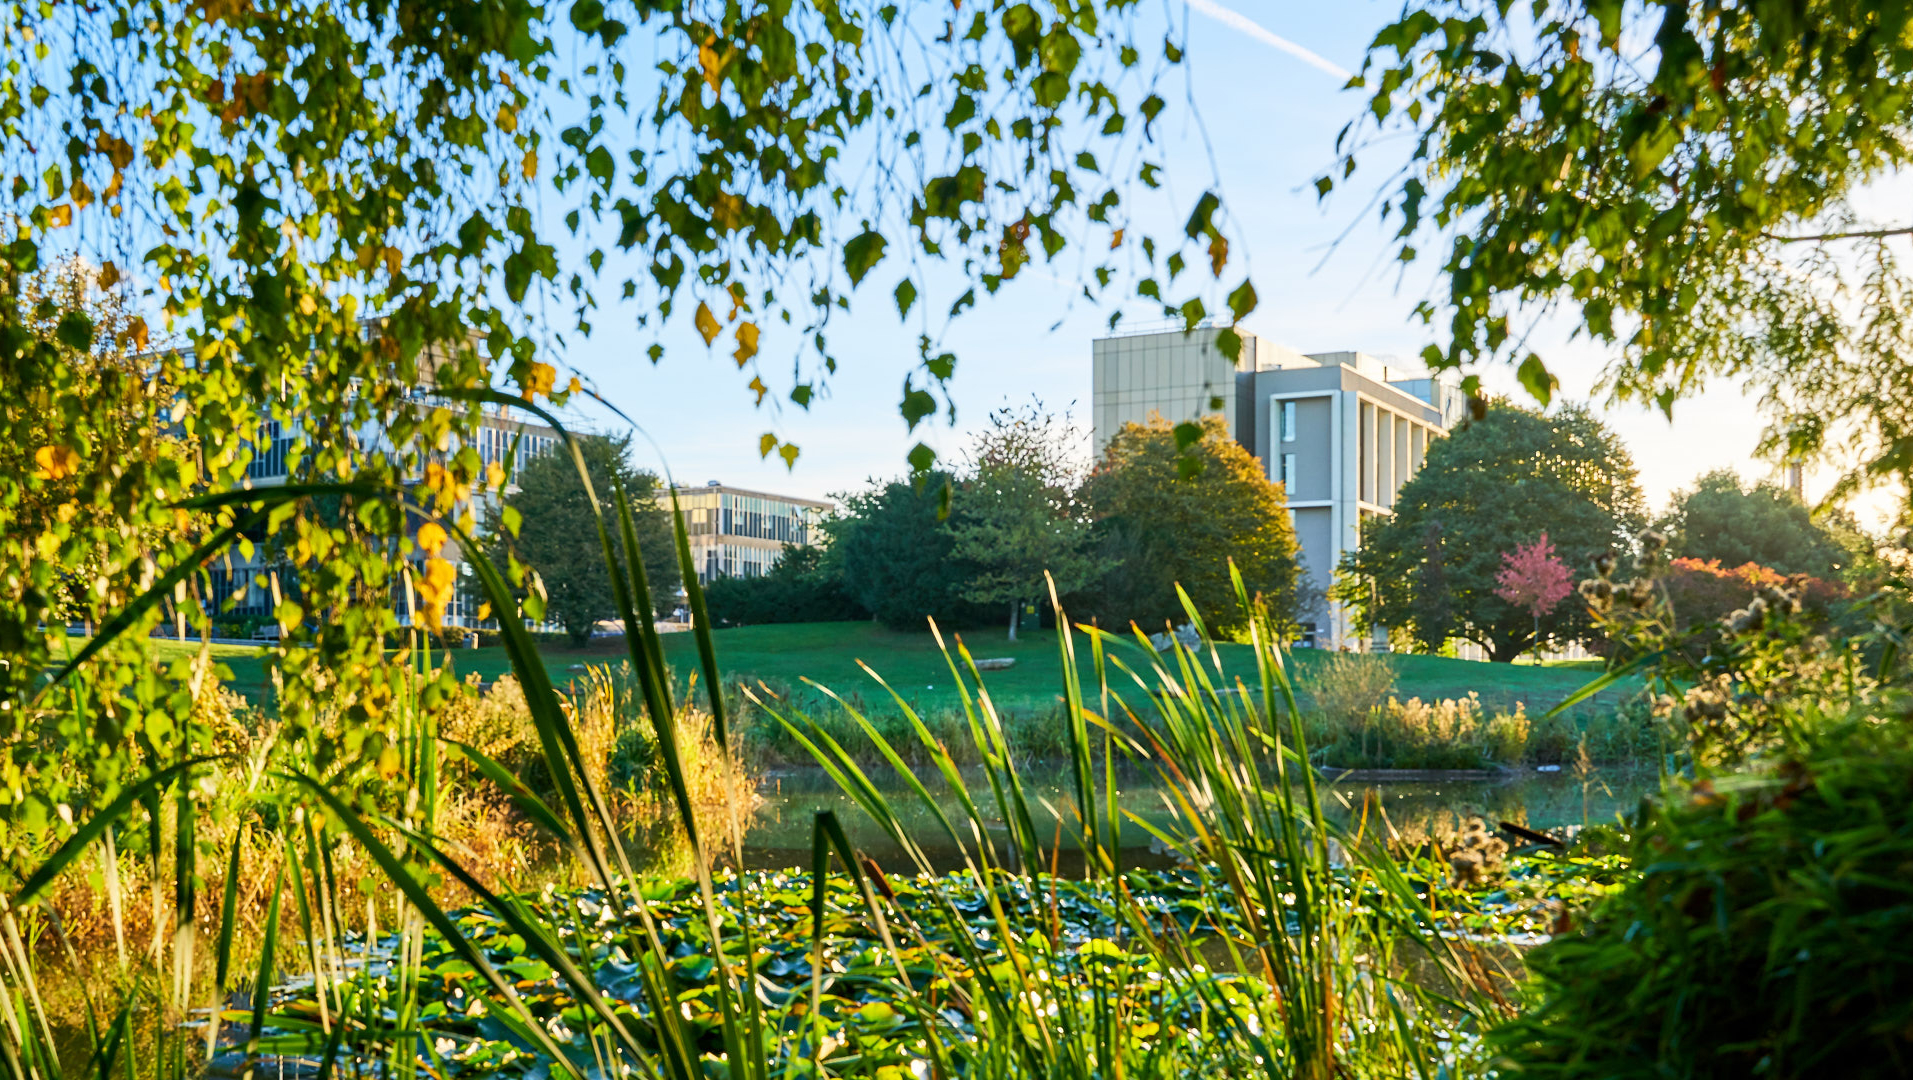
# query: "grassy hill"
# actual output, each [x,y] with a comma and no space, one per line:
[828,653]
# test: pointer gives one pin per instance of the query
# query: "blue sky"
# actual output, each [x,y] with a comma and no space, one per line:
[1271,117]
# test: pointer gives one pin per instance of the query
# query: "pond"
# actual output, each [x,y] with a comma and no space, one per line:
[780,833]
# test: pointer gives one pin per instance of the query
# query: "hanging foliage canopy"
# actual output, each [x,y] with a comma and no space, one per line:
[1687,182]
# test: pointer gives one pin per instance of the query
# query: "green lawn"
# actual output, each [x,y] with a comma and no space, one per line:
[828,653]
[246,662]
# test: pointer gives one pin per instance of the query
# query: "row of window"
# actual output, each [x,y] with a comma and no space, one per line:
[748,516]
[497,444]
[273,448]
[736,560]
[250,591]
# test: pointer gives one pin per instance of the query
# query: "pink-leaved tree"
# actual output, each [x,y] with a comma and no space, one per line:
[1532,577]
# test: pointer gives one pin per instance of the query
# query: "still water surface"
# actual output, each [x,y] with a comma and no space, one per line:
[780,834]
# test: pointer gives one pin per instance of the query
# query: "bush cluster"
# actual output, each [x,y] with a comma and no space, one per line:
[1769,933]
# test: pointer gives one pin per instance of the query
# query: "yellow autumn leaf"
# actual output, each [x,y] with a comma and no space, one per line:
[539,380]
[136,332]
[507,119]
[747,346]
[431,537]
[109,275]
[60,216]
[530,165]
[435,589]
[307,305]
[389,761]
[575,386]
[766,444]
[757,384]
[56,462]
[495,476]
[706,322]
[708,60]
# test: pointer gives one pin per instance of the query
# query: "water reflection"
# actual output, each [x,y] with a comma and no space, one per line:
[780,833]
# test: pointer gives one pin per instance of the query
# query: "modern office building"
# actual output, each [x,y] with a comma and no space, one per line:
[739,533]
[248,580]
[1341,431]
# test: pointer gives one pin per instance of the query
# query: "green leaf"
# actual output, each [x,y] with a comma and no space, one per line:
[1202,219]
[1023,27]
[1242,301]
[863,251]
[921,458]
[916,405]
[1536,378]
[1188,434]
[75,331]
[906,297]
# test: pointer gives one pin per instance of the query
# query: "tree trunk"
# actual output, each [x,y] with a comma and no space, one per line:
[1016,616]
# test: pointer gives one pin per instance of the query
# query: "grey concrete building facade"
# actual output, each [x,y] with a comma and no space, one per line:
[1340,431]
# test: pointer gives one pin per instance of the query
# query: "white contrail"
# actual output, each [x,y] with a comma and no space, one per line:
[1255,30]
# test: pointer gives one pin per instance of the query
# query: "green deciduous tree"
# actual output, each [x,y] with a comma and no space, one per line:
[1493,485]
[557,532]
[1174,505]
[898,554]
[1697,206]
[1721,519]
[1017,516]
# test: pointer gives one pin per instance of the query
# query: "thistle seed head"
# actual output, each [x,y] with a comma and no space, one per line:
[1748,619]
[1598,592]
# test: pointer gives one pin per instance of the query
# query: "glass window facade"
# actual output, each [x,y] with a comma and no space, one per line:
[741,533]
[270,452]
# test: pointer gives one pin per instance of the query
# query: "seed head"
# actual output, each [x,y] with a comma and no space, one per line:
[1748,619]
[1641,591]
[1598,592]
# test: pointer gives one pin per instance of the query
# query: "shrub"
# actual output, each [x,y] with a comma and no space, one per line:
[800,587]
[1349,686]
[1769,932]
[620,753]
[1455,733]
[1705,592]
